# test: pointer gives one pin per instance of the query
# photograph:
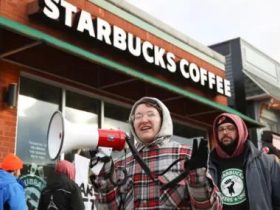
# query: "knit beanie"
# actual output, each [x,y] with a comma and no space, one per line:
[11,163]
[224,119]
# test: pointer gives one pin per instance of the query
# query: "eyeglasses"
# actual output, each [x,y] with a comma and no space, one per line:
[139,116]
[229,129]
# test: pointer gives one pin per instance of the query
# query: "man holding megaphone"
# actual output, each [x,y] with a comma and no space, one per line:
[141,179]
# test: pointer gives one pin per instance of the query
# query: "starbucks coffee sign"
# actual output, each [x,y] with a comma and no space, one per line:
[99,29]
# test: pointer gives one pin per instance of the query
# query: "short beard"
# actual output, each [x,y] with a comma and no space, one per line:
[229,148]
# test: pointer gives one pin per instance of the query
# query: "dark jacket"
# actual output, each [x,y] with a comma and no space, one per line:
[262,179]
[65,192]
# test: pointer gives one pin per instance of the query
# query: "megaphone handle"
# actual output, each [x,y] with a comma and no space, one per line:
[100,158]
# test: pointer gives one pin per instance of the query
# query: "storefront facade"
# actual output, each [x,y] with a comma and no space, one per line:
[92,60]
[255,81]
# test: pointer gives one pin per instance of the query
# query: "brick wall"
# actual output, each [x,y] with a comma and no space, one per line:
[8,117]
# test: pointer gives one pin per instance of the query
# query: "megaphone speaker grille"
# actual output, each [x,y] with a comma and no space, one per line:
[55,135]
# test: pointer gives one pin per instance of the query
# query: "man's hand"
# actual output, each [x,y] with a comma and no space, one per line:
[199,155]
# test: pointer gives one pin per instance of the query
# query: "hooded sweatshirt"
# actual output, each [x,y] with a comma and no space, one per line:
[166,130]
[139,191]
[61,191]
[261,173]
[11,192]
[231,173]
[241,137]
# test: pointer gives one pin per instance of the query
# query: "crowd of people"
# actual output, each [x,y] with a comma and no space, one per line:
[160,173]
[61,193]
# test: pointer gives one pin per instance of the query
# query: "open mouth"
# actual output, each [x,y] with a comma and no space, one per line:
[145,128]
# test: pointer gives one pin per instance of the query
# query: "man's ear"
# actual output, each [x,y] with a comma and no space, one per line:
[17,173]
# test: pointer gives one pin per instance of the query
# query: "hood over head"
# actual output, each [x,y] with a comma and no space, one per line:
[65,167]
[166,121]
[6,178]
[242,134]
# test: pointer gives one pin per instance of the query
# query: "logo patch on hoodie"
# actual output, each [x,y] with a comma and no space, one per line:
[232,187]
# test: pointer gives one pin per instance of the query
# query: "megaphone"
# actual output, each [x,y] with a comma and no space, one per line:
[64,136]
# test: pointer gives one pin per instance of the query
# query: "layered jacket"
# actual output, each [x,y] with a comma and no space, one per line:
[261,171]
[11,192]
[262,174]
[141,191]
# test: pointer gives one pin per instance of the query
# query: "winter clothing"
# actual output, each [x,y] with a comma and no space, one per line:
[11,162]
[242,135]
[11,192]
[256,184]
[140,191]
[223,120]
[62,192]
[199,156]
[66,195]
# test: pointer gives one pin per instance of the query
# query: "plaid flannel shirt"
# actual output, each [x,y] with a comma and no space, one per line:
[142,193]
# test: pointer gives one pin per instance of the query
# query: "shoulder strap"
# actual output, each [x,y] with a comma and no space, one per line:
[138,158]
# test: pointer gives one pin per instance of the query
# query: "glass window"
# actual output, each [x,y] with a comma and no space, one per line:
[81,113]
[78,102]
[116,117]
[36,104]
[185,134]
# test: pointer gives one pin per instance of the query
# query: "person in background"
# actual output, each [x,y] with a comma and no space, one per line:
[271,150]
[268,144]
[125,184]
[247,178]
[12,195]
[62,192]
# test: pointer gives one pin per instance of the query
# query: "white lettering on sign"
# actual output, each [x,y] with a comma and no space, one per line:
[117,37]
[85,23]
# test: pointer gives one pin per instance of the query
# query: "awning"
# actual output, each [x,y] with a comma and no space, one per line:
[36,50]
[269,87]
